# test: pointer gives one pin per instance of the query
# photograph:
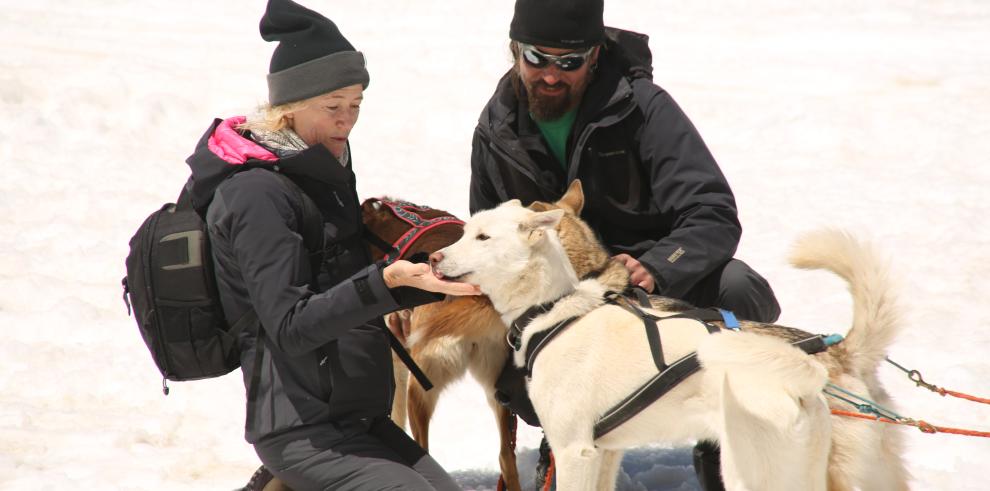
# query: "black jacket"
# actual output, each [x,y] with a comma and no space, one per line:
[652,188]
[325,352]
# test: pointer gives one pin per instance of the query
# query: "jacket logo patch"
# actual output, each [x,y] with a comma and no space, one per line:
[615,153]
[676,255]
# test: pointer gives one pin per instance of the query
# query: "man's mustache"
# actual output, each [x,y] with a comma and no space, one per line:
[540,83]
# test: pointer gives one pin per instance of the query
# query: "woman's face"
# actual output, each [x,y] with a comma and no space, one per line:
[328,118]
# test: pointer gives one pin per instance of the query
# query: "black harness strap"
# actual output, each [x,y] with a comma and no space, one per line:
[642,297]
[514,336]
[659,385]
[669,376]
[663,382]
[705,316]
[539,340]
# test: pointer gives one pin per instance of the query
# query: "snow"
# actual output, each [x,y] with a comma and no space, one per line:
[870,116]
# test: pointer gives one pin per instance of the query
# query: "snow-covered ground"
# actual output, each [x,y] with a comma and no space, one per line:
[871,116]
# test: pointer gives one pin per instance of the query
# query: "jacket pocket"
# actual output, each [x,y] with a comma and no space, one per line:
[360,371]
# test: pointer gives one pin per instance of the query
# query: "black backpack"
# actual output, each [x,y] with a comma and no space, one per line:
[174,295]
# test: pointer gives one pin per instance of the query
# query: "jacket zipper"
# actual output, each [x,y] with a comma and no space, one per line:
[497,144]
[586,134]
[507,153]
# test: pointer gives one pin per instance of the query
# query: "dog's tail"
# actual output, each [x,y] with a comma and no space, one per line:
[876,319]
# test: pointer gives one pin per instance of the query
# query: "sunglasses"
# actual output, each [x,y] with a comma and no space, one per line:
[568,63]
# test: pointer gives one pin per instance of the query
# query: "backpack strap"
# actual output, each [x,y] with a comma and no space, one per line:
[310,221]
[408,361]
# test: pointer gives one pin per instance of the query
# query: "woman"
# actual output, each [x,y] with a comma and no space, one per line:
[316,361]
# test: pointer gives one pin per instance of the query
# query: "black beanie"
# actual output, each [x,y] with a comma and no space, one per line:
[567,24]
[312,56]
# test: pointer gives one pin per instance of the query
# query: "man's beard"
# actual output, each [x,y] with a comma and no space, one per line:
[547,107]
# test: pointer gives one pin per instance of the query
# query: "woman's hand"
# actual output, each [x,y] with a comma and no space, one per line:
[405,273]
[638,275]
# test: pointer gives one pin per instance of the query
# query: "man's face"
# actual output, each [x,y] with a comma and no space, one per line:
[552,91]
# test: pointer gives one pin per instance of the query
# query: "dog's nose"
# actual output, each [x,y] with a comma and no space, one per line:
[435,258]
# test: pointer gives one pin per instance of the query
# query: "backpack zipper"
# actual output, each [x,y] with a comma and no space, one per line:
[127,290]
[150,289]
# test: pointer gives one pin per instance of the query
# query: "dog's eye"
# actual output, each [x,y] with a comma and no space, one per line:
[481,237]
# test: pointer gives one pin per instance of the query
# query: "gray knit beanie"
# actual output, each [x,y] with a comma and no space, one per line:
[312,56]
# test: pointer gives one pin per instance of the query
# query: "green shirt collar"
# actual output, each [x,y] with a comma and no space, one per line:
[556,133]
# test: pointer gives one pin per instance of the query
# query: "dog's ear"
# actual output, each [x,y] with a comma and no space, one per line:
[513,202]
[535,226]
[543,219]
[573,199]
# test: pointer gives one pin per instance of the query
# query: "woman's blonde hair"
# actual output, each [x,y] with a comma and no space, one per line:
[273,118]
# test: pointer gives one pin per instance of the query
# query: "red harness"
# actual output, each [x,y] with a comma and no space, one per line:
[410,213]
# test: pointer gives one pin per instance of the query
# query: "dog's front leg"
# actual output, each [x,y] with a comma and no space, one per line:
[611,461]
[578,467]
[399,405]
[421,404]
[507,455]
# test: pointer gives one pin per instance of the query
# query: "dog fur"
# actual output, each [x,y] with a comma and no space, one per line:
[756,394]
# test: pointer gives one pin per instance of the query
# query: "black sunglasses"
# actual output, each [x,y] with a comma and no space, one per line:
[567,63]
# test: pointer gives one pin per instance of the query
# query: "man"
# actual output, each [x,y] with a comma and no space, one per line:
[579,103]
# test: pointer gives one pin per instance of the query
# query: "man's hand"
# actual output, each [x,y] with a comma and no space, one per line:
[638,275]
[405,273]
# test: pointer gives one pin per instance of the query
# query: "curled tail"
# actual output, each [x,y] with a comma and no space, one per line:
[876,318]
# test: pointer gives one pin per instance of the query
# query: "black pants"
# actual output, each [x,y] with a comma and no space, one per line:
[377,456]
[708,465]
[736,287]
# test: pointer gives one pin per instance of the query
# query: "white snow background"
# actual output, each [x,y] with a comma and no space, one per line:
[870,116]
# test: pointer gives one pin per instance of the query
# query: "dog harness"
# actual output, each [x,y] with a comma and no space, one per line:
[668,376]
[409,213]
[539,340]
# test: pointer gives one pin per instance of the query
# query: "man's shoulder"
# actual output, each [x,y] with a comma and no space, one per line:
[646,92]
[501,105]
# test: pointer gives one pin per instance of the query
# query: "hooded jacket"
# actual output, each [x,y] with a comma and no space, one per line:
[323,357]
[652,188]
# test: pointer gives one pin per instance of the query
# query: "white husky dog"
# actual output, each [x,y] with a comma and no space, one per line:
[756,394]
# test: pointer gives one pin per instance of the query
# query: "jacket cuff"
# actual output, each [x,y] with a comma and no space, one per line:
[660,285]
[371,289]
[406,297]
